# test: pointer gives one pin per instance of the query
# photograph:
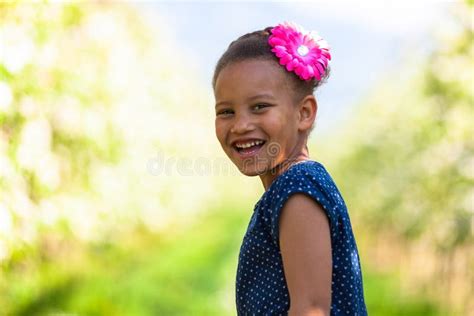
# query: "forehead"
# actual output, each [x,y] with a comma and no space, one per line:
[242,79]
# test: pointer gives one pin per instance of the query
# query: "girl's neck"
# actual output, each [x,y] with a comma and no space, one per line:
[268,177]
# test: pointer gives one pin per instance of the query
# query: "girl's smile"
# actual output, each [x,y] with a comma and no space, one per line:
[247,148]
[257,122]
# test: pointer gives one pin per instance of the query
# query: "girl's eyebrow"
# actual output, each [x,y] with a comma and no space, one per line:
[262,96]
[223,103]
[257,96]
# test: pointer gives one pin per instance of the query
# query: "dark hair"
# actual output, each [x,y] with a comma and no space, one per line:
[255,45]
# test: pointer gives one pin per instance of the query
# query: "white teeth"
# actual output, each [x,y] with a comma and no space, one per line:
[250,144]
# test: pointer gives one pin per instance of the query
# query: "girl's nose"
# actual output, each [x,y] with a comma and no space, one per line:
[242,125]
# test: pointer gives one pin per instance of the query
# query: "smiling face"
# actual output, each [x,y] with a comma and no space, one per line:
[258,124]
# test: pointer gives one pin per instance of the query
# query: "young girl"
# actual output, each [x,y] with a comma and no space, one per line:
[298,256]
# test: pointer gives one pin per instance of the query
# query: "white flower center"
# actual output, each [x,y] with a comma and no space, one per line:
[303,50]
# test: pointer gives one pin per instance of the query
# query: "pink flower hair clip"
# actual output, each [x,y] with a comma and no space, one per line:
[304,53]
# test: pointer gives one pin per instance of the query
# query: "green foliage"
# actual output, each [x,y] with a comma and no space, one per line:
[141,273]
[384,297]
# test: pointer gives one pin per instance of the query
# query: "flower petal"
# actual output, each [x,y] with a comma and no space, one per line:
[279,50]
[320,68]
[309,70]
[276,41]
[292,64]
[286,59]
[317,74]
[299,70]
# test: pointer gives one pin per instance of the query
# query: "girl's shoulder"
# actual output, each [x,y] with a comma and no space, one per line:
[304,172]
[311,179]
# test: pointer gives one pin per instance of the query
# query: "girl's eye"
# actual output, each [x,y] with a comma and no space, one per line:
[260,106]
[224,112]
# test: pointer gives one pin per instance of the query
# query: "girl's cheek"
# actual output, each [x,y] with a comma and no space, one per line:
[275,121]
[220,132]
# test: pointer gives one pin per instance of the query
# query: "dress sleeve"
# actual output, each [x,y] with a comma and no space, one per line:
[315,185]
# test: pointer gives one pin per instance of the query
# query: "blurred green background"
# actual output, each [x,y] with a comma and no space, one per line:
[115,198]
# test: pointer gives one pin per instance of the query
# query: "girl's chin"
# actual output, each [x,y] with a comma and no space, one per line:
[253,166]
[250,173]
[252,170]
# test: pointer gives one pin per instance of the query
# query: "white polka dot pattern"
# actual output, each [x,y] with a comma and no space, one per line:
[261,287]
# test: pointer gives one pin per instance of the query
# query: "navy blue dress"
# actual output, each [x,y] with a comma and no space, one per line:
[261,287]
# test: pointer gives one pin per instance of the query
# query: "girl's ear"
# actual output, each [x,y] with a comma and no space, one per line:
[307,112]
